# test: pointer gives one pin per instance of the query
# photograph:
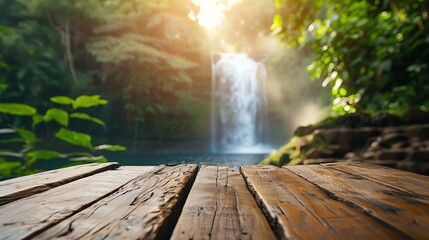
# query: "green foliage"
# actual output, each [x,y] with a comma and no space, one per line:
[27,136]
[246,27]
[373,54]
[36,148]
[75,138]
[150,53]
[142,55]
[42,155]
[62,100]
[289,153]
[85,116]
[17,109]
[59,115]
[88,101]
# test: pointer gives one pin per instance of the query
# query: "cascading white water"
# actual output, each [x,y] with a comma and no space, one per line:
[239,104]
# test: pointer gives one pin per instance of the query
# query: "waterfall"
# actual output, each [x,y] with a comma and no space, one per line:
[239,104]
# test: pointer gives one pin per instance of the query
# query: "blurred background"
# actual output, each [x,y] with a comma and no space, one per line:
[146,82]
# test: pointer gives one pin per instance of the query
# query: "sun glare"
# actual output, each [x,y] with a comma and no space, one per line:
[211,12]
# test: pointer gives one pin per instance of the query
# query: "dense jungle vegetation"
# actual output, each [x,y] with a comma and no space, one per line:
[140,69]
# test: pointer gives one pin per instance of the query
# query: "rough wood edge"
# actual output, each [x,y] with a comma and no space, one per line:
[8,198]
[278,231]
[168,226]
[34,234]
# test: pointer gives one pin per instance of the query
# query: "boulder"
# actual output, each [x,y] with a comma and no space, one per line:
[368,155]
[420,156]
[386,120]
[304,130]
[387,163]
[391,155]
[319,161]
[416,116]
[391,138]
[417,131]
[320,153]
[400,145]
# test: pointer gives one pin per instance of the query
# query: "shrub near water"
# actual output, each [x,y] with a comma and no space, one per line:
[22,148]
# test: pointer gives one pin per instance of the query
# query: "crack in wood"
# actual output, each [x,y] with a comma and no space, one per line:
[370,212]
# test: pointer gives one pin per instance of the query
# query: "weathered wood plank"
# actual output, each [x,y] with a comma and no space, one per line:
[299,210]
[401,180]
[13,189]
[220,206]
[25,218]
[144,208]
[405,212]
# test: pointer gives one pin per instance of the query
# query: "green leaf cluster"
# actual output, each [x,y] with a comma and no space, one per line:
[21,160]
[372,54]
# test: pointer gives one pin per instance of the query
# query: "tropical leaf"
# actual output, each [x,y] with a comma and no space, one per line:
[37,119]
[62,100]
[42,155]
[112,148]
[3,86]
[9,165]
[17,109]
[85,116]
[85,101]
[28,136]
[59,115]
[75,138]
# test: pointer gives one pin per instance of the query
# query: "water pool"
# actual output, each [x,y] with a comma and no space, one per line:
[149,159]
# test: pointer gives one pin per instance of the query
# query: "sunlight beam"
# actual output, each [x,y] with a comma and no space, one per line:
[211,12]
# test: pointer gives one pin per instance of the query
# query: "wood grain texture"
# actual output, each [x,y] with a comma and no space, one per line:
[406,213]
[17,188]
[299,210]
[139,210]
[220,206]
[401,180]
[25,218]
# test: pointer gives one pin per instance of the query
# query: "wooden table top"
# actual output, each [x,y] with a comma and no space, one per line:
[107,201]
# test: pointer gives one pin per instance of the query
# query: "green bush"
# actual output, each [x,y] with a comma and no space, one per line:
[21,147]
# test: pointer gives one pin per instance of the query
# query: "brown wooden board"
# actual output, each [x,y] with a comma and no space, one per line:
[407,213]
[220,206]
[299,210]
[144,208]
[25,218]
[401,180]
[17,188]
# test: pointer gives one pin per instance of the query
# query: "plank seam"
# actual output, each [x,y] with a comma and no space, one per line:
[167,228]
[272,221]
[45,187]
[83,207]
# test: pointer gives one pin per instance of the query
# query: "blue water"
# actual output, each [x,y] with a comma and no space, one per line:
[153,159]
[149,159]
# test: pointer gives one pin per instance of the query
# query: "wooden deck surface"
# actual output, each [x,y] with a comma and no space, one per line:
[107,201]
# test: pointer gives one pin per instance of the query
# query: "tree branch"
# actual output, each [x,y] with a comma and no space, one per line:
[69,54]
